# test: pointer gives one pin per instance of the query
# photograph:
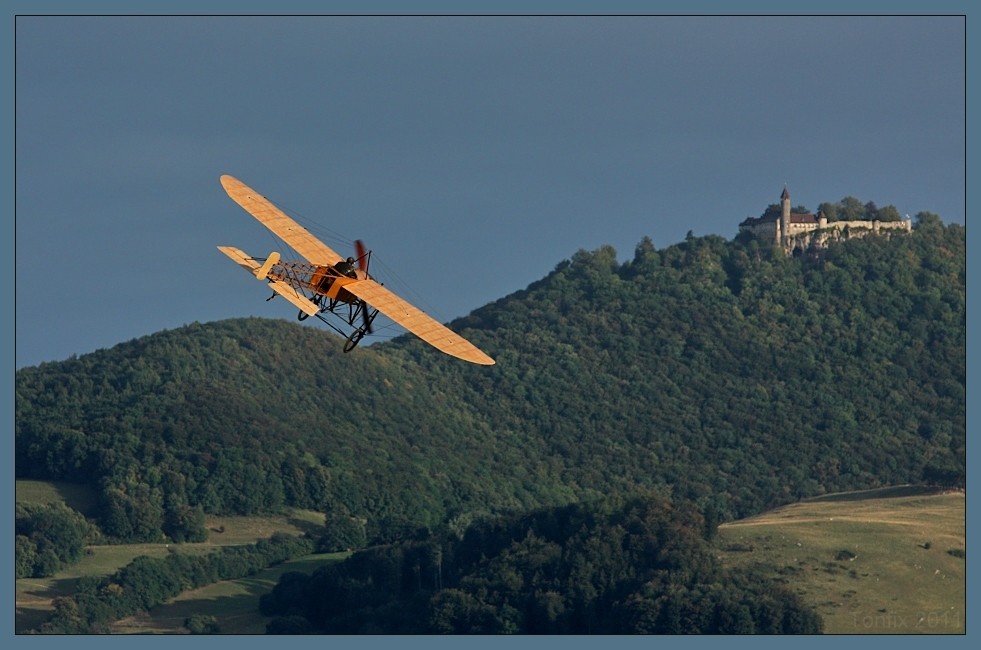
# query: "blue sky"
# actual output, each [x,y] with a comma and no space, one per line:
[472,154]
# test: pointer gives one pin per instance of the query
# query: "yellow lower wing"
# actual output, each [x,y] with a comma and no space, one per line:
[417,322]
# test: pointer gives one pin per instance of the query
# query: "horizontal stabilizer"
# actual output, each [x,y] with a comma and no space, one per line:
[240,258]
[283,289]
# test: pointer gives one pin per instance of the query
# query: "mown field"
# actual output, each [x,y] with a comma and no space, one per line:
[34,596]
[889,561]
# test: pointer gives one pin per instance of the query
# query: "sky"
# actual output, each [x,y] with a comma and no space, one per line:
[471,154]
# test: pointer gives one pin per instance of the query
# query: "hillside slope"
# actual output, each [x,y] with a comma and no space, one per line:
[720,370]
[888,561]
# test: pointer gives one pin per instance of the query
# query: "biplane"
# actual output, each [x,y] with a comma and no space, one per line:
[337,290]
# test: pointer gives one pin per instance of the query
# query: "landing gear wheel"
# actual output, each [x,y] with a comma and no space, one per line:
[302,316]
[353,340]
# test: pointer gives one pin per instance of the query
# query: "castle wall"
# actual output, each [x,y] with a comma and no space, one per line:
[818,236]
[797,228]
[875,226]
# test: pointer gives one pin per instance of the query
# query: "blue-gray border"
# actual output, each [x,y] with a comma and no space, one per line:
[14,8]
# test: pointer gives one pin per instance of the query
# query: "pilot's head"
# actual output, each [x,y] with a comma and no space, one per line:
[350,260]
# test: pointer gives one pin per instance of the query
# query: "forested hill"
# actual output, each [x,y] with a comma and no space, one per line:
[734,376]
[620,565]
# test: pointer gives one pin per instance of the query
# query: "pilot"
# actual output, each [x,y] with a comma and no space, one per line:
[346,268]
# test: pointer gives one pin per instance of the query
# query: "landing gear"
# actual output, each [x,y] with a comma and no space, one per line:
[359,316]
[353,340]
[355,337]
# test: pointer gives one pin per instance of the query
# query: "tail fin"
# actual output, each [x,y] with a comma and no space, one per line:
[263,271]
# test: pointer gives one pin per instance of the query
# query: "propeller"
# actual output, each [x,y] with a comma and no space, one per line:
[362,256]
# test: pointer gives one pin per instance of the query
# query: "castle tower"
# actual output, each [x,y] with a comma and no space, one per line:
[785,215]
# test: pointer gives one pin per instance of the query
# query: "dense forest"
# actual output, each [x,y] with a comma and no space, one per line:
[620,565]
[719,371]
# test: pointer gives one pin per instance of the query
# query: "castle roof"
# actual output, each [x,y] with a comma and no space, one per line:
[802,218]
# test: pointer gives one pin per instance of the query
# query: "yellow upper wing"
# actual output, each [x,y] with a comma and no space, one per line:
[418,322]
[281,225]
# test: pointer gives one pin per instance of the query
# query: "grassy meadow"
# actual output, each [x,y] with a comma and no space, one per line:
[34,596]
[889,561]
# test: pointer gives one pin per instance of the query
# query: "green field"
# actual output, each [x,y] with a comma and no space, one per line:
[34,596]
[233,603]
[887,561]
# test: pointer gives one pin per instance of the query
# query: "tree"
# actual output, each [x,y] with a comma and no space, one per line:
[452,611]
[49,538]
[202,624]
[342,532]
[927,221]
[889,213]
[134,514]
[830,211]
[850,209]
[25,557]
[184,523]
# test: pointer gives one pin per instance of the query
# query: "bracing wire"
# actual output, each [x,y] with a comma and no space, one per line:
[388,274]
[385,329]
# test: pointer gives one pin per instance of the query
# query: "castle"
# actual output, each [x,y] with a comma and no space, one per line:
[795,232]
